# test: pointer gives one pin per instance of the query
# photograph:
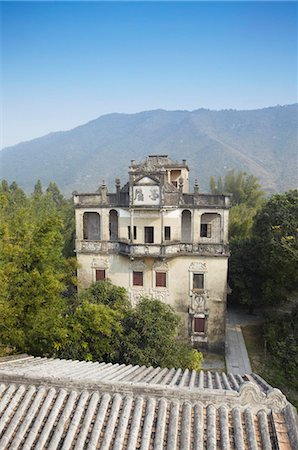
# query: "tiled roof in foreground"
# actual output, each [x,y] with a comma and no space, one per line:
[53,404]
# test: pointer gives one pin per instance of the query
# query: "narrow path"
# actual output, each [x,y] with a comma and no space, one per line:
[237,360]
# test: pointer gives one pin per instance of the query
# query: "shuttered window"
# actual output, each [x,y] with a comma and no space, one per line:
[161,279]
[199,324]
[100,274]
[137,278]
[206,230]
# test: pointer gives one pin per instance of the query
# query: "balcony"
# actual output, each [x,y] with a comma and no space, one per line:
[172,250]
[154,250]
[96,247]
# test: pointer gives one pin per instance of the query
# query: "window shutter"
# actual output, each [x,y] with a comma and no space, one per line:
[199,324]
[161,279]
[209,230]
[138,278]
[100,274]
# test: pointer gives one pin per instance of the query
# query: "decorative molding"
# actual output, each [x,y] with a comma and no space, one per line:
[161,265]
[198,303]
[160,294]
[276,400]
[198,267]
[138,265]
[136,293]
[100,263]
[91,246]
[250,394]
[146,181]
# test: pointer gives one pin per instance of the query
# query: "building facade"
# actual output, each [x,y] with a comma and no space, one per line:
[155,238]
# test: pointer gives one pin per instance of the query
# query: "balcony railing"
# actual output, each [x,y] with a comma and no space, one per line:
[154,250]
[171,250]
[97,247]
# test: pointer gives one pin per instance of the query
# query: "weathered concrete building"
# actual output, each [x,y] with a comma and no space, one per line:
[157,239]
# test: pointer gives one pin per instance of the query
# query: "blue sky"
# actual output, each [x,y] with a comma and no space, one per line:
[64,63]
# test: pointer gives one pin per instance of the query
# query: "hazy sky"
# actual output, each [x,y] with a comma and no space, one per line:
[65,63]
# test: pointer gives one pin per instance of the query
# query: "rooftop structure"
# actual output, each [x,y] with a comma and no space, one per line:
[54,404]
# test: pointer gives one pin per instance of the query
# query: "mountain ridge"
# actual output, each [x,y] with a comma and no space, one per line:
[260,141]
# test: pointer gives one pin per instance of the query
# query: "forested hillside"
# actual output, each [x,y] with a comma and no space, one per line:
[262,142]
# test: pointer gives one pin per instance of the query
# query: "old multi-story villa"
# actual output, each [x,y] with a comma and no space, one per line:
[157,239]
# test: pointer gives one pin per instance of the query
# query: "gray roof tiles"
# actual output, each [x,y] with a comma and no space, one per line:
[82,371]
[59,404]
[43,417]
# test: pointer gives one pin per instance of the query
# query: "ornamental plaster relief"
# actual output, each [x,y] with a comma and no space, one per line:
[198,267]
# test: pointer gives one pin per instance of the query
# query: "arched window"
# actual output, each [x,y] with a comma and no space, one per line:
[91,226]
[113,225]
[186,226]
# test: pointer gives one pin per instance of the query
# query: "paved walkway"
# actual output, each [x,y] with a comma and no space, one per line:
[237,360]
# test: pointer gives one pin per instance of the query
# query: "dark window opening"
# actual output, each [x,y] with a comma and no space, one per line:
[199,324]
[91,226]
[167,233]
[174,183]
[198,281]
[137,279]
[161,279]
[100,274]
[134,232]
[149,235]
[186,226]
[206,230]
[113,225]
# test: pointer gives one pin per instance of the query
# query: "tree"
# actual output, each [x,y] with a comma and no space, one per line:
[37,188]
[33,273]
[94,332]
[150,337]
[276,232]
[281,334]
[243,187]
[246,199]
[264,267]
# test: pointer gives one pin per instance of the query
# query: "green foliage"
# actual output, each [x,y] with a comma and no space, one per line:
[243,187]
[102,326]
[150,337]
[94,333]
[246,199]
[281,334]
[33,273]
[108,294]
[241,221]
[264,267]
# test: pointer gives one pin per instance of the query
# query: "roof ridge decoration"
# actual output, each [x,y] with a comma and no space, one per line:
[251,394]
